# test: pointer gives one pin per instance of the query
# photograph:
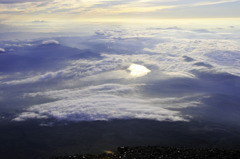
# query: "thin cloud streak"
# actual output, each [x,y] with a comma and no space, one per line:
[213,3]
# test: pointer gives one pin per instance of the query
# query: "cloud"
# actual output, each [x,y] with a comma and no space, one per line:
[29,79]
[121,47]
[188,59]
[189,46]
[108,10]
[19,1]
[103,102]
[209,53]
[185,66]
[2,50]
[29,115]
[39,21]
[38,78]
[224,57]
[203,64]
[214,2]
[48,42]
[76,69]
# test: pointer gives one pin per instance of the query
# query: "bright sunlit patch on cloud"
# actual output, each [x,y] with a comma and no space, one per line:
[138,70]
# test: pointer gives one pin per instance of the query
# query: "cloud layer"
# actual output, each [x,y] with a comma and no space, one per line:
[151,72]
[103,102]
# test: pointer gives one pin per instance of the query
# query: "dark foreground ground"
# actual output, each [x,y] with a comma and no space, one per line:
[158,152]
[29,140]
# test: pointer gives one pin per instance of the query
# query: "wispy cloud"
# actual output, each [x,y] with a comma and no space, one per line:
[73,9]
[19,1]
[214,2]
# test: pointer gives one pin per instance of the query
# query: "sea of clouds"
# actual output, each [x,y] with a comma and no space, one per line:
[88,78]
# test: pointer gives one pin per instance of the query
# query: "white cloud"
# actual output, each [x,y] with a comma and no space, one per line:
[2,50]
[46,42]
[103,102]
[213,3]
[76,69]
[29,115]
[18,45]
[194,46]
[167,55]
[221,54]
[33,79]
[18,1]
[180,74]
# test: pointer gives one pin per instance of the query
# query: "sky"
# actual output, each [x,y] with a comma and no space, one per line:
[19,11]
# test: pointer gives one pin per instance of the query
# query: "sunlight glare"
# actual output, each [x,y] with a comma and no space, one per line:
[138,70]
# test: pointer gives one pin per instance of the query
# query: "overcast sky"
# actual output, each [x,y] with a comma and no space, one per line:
[82,10]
